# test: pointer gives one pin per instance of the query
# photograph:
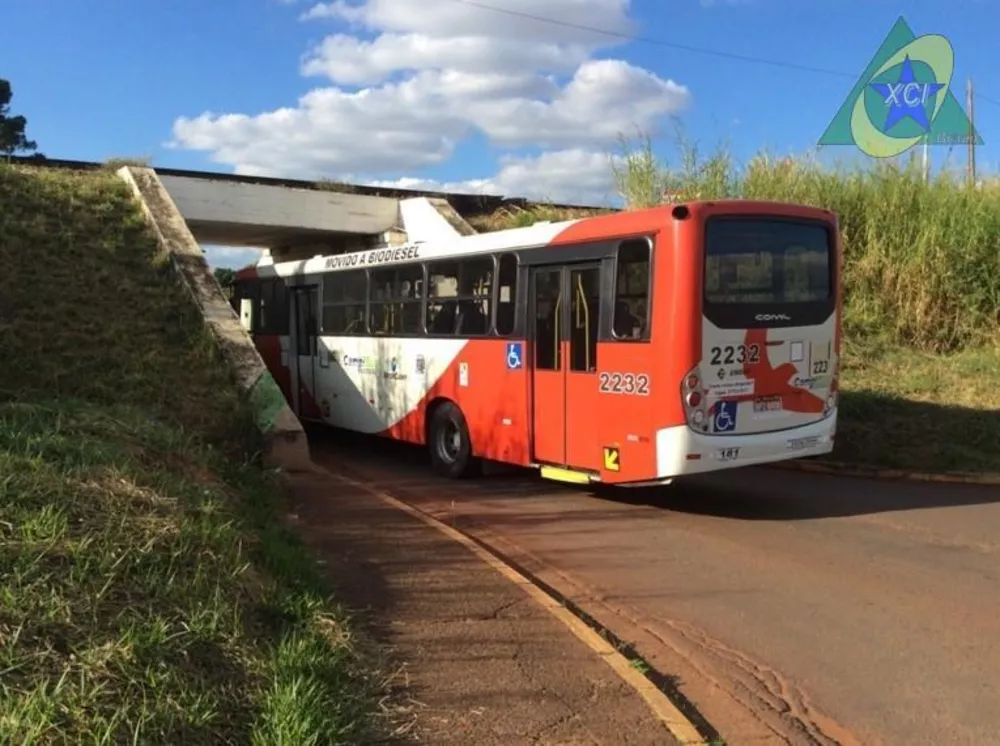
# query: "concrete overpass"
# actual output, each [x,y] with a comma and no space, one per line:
[262,215]
[297,219]
[296,222]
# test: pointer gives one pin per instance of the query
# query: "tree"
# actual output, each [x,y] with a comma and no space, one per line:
[225,277]
[12,137]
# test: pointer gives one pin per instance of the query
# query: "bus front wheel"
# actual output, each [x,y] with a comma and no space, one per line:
[449,441]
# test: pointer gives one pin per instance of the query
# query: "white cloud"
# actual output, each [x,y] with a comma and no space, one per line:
[418,78]
[449,18]
[604,99]
[392,128]
[445,34]
[352,61]
[576,176]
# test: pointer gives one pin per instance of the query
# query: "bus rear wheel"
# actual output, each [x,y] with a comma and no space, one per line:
[450,443]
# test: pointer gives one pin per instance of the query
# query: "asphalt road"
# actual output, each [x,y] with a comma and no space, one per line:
[792,608]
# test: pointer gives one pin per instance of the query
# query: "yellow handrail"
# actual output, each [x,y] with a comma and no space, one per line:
[586,319]
[555,333]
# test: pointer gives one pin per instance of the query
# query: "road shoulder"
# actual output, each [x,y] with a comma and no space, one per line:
[481,661]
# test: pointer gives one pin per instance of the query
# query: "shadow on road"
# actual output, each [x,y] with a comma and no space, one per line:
[764,494]
[751,494]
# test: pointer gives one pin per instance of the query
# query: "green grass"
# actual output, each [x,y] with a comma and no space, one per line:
[151,593]
[920,411]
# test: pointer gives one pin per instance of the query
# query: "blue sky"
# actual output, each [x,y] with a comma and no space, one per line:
[111,77]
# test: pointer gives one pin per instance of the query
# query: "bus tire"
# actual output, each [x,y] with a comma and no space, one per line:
[450,443]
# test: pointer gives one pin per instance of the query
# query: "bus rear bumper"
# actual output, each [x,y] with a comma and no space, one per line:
[681,451]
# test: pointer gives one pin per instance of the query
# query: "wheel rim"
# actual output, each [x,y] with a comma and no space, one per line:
[449,441]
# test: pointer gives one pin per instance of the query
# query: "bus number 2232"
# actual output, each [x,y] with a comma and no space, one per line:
[636,384]
[741,353]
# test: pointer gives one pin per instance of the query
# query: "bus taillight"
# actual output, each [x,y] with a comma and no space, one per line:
[831,399]
[692,398]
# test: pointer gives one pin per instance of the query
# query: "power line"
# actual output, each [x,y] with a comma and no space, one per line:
[657,42]
[675,45]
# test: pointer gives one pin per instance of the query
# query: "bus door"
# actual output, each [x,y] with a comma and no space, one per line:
[302,357]
[565,313]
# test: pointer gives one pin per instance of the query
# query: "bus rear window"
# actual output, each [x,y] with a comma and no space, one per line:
[766,261]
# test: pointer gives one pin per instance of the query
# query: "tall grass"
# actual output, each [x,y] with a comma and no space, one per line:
[922,258]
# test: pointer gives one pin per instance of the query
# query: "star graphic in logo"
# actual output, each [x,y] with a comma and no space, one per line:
[906,97]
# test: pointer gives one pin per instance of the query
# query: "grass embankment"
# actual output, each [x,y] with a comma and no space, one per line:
[149,593]
[507,217]
[921,369]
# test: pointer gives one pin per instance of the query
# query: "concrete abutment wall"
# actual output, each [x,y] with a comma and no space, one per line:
[286,443]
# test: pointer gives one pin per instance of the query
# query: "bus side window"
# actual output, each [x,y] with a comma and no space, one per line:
[272,315]
[506,294]
[631,314]
[545,308]
[409,299]
[379,286]
[459,293]
[396,299]
[344,302]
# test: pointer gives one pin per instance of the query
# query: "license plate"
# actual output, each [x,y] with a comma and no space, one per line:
[799,444]
[728,454]
[767,404]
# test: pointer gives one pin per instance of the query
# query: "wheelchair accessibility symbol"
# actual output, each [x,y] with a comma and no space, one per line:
[515,359]
[725,416]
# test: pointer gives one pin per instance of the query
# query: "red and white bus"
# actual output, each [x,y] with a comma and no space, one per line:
[629,348]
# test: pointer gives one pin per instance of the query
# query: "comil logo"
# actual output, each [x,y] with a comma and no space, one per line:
[772,317]
[903,98]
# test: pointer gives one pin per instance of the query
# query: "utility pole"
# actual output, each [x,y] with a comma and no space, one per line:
[927,161]
[970,106]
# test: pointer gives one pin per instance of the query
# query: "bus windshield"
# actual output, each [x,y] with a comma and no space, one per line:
[767,261]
